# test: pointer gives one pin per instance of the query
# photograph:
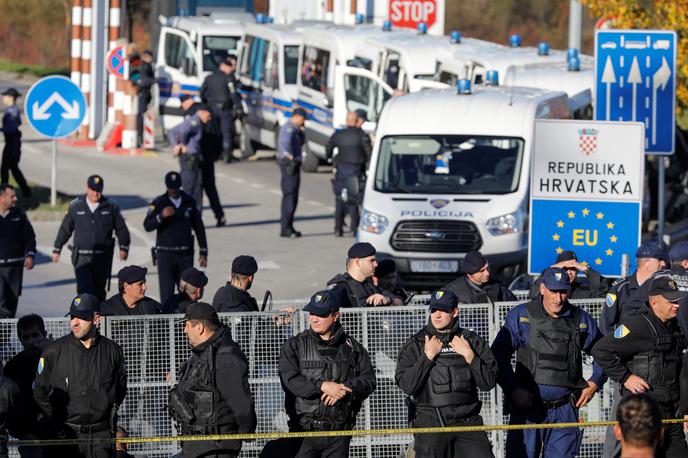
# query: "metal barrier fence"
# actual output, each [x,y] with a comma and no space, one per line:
[155,347]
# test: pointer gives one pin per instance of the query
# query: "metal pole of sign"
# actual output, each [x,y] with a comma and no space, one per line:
[625,264]
[660,197]
[53,177]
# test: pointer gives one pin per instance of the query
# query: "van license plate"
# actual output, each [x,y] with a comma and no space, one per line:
[434,266]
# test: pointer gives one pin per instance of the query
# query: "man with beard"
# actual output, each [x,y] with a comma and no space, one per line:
[477,286]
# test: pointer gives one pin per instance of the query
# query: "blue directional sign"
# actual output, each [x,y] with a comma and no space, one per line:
[55,106]
[635,80]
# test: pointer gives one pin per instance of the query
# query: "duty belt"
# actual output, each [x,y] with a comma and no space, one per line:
[556,403]
[89,429]
[11,260]
[323,425]
[174,248]
[91,251]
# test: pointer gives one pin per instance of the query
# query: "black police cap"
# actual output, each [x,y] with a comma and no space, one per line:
[12,92]
[95,182]
[244,265]
[194,277]
[567,255]
[656,250]
[299,112]
[362,114]
[361,250]
[185,97]
[443,300]
[473,262]
[201,311]
[84,306]
[666,287]
[132,274]
[324,303]
[173,180]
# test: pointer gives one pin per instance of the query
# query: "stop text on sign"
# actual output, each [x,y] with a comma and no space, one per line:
[410,13]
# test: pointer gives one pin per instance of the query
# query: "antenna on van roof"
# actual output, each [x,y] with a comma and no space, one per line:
[511,85]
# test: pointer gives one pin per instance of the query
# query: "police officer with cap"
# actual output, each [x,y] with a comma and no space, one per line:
[444,348]
[477,286]
[548,336]
[11,153]
[350,151]
[190,290]
[131,299]
[80,382]
[216,92]
[17,250]
[92,219]
[174,215]
[326,376]
[356,283]
[627,296]
[234,296]
[594,285]
[289,156]
[644,355]
[212,395]
[678,271]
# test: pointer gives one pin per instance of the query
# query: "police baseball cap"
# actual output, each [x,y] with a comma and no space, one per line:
[12,92]
[299,112]
[666,287]
[201,311]
[173,181]
[324,303]
[473,262]
[361,250]
[84,306]
[95,182]
[362,114]
[132,274]
[567,255]
[184,97]
[443,300]
[244,265]
[556,279]
[194,277]
[653,249]
[679,251]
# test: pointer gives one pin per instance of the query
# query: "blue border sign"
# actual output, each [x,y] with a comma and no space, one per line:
[55,107]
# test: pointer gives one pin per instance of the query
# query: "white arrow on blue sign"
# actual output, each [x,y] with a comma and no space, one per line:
[635,80]
[55,106]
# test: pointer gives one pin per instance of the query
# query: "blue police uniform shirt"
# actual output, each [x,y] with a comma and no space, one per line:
[290,141]
[516,333]
[11,120]
[188,133]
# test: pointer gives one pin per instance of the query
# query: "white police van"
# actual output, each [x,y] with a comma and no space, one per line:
[267,68]
[189,49]
[449,174]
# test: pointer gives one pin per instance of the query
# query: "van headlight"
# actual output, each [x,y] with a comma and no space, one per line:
[506,224]
[373,222]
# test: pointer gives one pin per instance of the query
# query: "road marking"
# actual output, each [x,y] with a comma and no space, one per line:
[314,203]
[256,185]
[268,265]
[142,235]
[238,180]
[221,175]
[275,191]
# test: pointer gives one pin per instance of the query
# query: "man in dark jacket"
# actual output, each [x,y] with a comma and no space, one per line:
[217,94]
[80,382]
[144,87]
[212,395]
[476,287]
[593,286]
[326,376]
[234,296]
[12,413]
[131,299]
[443,348]
[190,290]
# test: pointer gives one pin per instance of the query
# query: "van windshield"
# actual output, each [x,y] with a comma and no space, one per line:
[216,49]
[449,164]
[291,64]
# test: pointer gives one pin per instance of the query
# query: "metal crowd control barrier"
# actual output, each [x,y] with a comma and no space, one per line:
[155,347]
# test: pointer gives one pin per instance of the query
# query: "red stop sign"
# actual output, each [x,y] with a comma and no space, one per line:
[410,13]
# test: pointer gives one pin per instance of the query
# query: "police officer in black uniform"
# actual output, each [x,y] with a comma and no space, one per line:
[17,250]
[174,215]
[353,149]
[644,354]
[93,218]
[216,93]
[190,290]
[594,285]
[326,376]
[131,299]
[212,395]
[444,348]
[290,142]
[476,286]
[11,153]
[627,296]
[678,271]
[144,87]
[81,381]
[12,413]
[356,283]
[234,296]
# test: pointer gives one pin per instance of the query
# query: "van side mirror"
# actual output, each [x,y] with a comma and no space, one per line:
[188,66]
[327,103]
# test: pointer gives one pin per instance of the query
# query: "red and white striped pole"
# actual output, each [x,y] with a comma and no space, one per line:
[86,49]
[76,43]
[113,36]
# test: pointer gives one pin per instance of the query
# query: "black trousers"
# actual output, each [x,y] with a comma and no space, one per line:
[209,449]
[10,289]
[95,450]
[11,154]
[324,447]
[144,99]
[290,196]
[341,209]
[208,182]
[451,445]
[91,274]
[225,121]
[192,184]
[171,264]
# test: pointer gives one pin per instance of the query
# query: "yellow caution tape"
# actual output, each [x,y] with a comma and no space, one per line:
[302,434]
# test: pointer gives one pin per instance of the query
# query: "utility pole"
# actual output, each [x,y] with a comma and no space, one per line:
[575,24]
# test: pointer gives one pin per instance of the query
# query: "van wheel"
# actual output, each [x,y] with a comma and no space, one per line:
[310,161]
[246,145]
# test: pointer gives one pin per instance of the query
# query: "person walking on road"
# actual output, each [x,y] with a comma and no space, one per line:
[11,153]
[17,250]
[92,219]
[216,92]
[289,144]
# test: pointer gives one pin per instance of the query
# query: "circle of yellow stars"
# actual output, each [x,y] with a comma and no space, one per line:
[585,213]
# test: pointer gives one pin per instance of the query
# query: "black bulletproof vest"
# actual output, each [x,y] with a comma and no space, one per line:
[660,366]
[553,355]
[316,366]
[358,292]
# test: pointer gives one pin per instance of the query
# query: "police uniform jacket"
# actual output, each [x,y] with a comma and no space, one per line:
[232,299]
[92,231]
[683,402]
[189,133]
[215,90]
[356,292]
[448,382]
[290,140]
[625,298]
[115,306]
[174,232]
[469,293]
[593,286]
[177,303]
[680,276]
[17,238]
[302,376]
[12,414]
[645,346]
[11,120]
[353,146]
[79,385]
[516,334]
[22,370]
[147,80]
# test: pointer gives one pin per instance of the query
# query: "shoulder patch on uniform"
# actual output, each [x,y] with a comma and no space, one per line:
[621,332]
[193,122]
[610,300]
[41,365]
[583,326]
[151,208]
[523,319]
[74,201]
